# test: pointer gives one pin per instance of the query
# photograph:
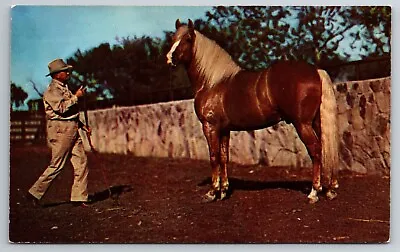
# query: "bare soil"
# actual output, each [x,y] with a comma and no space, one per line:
[158,200]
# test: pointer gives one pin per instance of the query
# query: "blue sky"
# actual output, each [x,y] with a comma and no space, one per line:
[40,34]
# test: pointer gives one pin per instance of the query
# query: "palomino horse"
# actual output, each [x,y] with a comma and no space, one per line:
[229,98]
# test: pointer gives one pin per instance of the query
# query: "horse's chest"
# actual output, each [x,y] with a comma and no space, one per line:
[209,108]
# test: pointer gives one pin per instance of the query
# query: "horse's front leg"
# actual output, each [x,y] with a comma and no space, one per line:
[212,135]
[225,135]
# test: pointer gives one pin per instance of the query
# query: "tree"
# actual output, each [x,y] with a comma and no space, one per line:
[124,73]
[18,96]
[134,70]
[375,29]
[255,36]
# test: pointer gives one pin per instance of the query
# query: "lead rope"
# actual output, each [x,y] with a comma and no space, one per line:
[88,135]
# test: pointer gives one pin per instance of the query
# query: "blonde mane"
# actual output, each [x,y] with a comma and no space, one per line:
[213,63]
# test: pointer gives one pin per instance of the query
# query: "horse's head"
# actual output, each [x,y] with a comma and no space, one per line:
[182,43]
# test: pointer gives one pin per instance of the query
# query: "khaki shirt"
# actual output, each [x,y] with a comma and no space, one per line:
[60,103]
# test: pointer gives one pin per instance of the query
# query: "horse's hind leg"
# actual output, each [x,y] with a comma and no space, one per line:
[212,135]
[224,163]
[313,145]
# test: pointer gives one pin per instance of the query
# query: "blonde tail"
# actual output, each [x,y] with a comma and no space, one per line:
[329,131]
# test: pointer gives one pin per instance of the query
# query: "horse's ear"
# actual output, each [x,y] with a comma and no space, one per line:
[191,27]
[177,24]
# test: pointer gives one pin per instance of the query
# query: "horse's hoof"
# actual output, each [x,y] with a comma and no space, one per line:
[223,195]
[208,197]
[312,200]
[313,196]
[331,194]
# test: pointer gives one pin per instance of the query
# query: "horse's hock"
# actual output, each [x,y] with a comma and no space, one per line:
[173,130]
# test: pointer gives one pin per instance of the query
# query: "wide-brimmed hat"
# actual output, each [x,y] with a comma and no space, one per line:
[58,65]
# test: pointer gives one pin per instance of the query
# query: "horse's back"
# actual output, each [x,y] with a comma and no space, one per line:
[286,73]
[296,89]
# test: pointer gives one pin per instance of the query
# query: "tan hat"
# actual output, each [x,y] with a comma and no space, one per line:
[58,65]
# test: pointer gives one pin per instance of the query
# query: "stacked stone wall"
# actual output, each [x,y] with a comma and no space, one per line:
[364,125]
[172,130]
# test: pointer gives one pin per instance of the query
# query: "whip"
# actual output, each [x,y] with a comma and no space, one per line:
[93,150]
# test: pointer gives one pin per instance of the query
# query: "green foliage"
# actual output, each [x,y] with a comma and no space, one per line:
[134,71]
[123,72]
[255,36]
[18,96]
[375,31]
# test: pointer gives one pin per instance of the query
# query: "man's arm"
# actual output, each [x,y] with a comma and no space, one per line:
[60,105]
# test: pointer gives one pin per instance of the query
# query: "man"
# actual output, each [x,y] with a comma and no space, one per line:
[62,114]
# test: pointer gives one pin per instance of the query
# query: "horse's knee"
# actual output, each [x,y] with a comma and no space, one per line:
[214,159]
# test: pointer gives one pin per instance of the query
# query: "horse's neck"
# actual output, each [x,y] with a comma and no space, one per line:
[197,80]
[202,81]
[210,64]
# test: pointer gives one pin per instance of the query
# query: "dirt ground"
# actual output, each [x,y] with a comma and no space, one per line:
[158,200]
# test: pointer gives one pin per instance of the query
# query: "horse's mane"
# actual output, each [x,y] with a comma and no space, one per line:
[213,63]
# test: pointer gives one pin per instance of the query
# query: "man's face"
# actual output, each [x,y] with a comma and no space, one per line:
[62,76]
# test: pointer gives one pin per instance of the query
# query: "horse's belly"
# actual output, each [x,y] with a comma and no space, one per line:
[248,115]
[251,125]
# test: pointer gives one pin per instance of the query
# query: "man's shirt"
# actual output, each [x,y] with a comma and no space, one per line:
[60,103]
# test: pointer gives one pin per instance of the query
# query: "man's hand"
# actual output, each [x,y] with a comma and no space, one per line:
[80,92]
[87,129]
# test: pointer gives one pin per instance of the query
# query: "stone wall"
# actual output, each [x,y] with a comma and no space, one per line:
[173,130]
[364,125]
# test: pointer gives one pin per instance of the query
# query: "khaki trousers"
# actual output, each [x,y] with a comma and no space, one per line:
[65,142]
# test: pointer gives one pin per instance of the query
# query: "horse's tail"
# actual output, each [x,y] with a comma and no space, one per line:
[329,131]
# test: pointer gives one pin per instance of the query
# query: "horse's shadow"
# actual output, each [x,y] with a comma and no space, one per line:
[302,186]
[113,192]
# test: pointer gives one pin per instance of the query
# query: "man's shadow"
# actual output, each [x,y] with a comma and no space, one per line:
[113,192]
[303,186]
